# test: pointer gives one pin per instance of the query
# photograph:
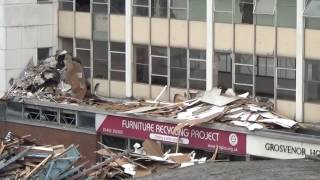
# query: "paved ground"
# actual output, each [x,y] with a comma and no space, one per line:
[249,170]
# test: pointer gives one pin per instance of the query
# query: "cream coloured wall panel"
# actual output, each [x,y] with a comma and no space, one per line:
[118,89]
[311,113]
[141,30]
[286,108]
[83,25]
[286,42]
[103,89]
[312,44]
[197,34]
[159,32]
[223,36]
[265,40]
[155,91]
[174,91]
[178,33]
[65,24]
[244,38]
[141,90]
[117,28]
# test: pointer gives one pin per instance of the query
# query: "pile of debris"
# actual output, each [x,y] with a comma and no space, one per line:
[21,158]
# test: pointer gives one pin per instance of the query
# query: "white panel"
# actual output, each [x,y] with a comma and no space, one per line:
[45,14]
[159,32]
[198,35]
[141,90]
[223,36]
[29,37]
[286,108]
[286,42]
[141,30]
[83,25]
[178,33]
[66,24]
[2,60]
[45,38]
[311,113]
[18,1]
[118,89]
[2,17]
[13,15]
[117,28]
[2,81]
[312,42]
[265,40]
[14,38]
[2,36]
[103,89]
[244,38]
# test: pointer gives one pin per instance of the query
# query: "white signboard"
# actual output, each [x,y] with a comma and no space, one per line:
[280,149]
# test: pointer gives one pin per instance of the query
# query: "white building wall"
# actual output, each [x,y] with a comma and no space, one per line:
[25,26]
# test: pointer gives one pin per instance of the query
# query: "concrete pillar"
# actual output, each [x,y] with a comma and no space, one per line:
[300,62]
[129,58]
[211,80]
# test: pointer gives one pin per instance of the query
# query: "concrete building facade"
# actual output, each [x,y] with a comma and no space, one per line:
[28,33]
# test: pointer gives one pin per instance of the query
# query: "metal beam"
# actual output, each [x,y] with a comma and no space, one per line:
[300,62]
[210,80]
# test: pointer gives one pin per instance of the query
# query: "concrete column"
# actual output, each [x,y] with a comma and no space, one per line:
[129,58]
[300,62]
[211,81]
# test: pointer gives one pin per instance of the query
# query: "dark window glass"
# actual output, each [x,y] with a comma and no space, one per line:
[159,51]
[178,64]
[159,80]
[43,53]
[197,54]
[244,58]
[86,120]
[117,6]
[67,44]
[198,69]
[159,8]
[243,89]
[224,70]
[116,142]
[100,59]
[140,7]
[141,59]
[195,84]
[66,5]
[312,85]
[198,10]
[243,74]
[68,118]
[159,65]
[243,11]
[178,9]
[83,43]
[286,13]
[118,61]
[84,57]
[115,46]
[118,76]
[265,76]
[83,5]
[100,22]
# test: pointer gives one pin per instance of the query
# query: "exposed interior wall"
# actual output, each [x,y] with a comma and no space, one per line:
[141,30]
[117,28]
[66,24]
[286,42]
[174,91]
[178,33]
[244,38]
[312,44]
[286,108]
[83,25]
[141,90]
[103,89]
[118,89]
[311,113]
[265,40]
[223,36]
[159,32]
[46,135]
[198,35]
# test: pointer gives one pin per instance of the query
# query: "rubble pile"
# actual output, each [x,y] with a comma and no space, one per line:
[21,158]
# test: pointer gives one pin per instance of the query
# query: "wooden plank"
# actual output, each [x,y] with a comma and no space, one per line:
[34,170]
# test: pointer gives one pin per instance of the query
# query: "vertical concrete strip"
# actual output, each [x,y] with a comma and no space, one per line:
[300,62]
[129,58]
[210,47]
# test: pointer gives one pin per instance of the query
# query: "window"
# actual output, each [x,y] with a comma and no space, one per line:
[100,21]
[49,115]
[43,53]
[178,67]
[100,59]
[66,5]
[83,55]
[197,10]
[243,11]
[223,11]
[312,85]
[83,5]
[243,72]
[312,14]
[117,6]
[264,10]
[44,1]
[141,59]
[264,85]
[118,61]
[159,60]
[67,44]
[32,113]
[286,83]
[178,9]
[224,69]
[197,59]
[140,7]
[86,120]
[286,13]
[159,8]
[68,118]
[115,142]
